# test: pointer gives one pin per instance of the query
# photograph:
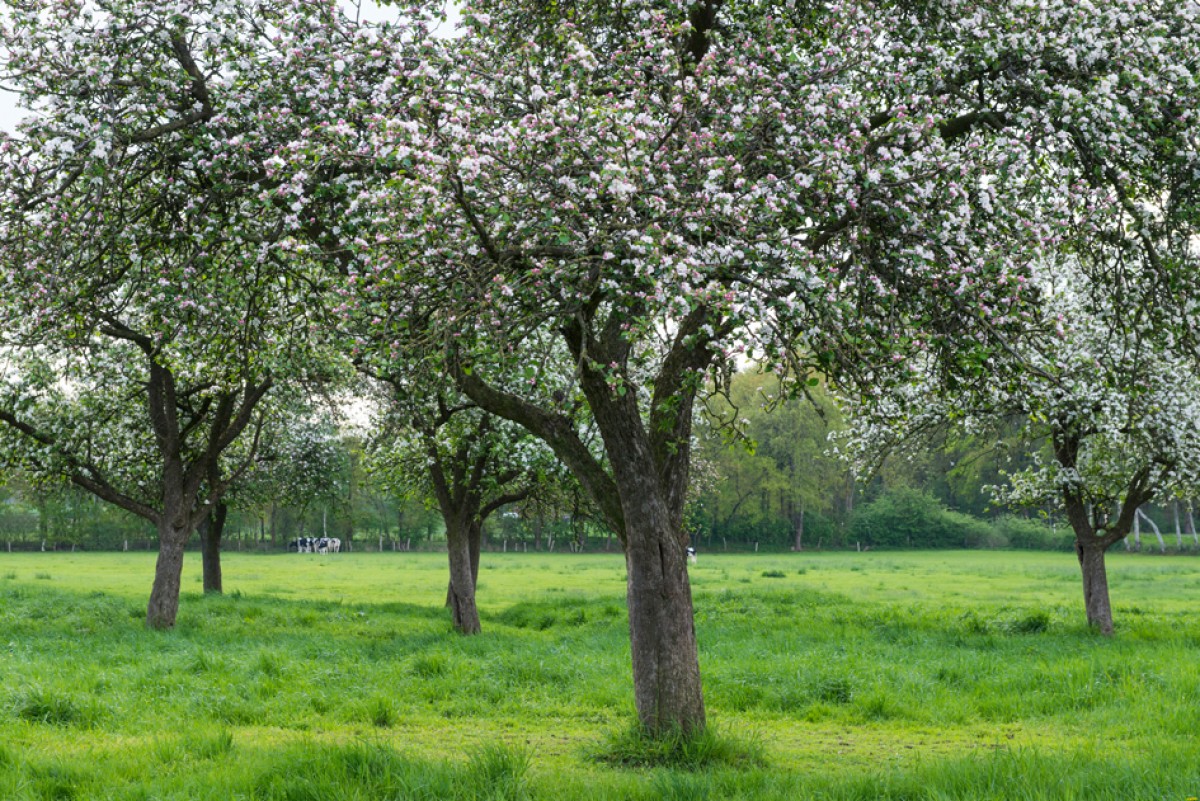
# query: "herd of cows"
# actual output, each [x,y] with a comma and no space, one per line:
[315,545]
[334,545]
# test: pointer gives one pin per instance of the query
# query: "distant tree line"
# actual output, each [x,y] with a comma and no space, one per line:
[768,477]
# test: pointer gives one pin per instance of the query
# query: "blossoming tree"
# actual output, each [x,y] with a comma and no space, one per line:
[469,463]
[1110,413]
[153,294]
[854,187]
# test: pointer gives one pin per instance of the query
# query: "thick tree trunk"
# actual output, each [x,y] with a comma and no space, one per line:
[211,530]
[461,595]
[1095,586]
[474,538]
[666,663]
[666,667]
[168,570]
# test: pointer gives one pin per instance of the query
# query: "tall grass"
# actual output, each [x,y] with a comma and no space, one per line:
[850,676]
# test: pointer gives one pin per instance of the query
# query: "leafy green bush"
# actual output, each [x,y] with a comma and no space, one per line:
[907,518]
[1031,534]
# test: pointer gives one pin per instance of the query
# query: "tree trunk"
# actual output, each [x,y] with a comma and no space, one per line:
[211,530]
[799,542]
[666,667]
[1191,524]
[168,570]
[1162,546]
[652,487]
[1095,586]
[461,594]
[1178,527]
[474,539]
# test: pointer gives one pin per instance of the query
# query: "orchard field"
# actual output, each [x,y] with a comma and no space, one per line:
[831,675]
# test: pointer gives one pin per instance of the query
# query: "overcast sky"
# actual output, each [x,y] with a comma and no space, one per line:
[10,114]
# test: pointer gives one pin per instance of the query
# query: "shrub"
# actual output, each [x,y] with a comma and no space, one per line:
[1031,534]
[907,518]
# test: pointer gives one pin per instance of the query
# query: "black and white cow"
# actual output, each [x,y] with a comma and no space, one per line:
[691,555]
[315,545]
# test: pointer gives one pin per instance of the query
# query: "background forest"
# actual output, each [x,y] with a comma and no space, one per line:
[768,476]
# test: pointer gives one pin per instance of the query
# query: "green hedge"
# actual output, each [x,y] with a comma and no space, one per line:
[908,518]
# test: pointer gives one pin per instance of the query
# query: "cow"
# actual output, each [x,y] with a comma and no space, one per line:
[303,545]
[315,545]
[691,555]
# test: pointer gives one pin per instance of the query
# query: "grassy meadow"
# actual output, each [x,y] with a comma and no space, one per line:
[965,675]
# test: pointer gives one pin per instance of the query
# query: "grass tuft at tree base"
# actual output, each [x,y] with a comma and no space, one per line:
[636,747]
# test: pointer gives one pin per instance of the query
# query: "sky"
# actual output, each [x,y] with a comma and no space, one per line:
[10,115]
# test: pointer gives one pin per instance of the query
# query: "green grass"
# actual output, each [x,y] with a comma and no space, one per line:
[827,676]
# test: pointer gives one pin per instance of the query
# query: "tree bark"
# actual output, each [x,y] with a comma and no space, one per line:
[651,486]
[1162,546]
[1178,527]
[662,634]
[1191,524]
[798,545]
[461,594]
[1095,586]
[211,530]
[1091,541]
[168,570]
